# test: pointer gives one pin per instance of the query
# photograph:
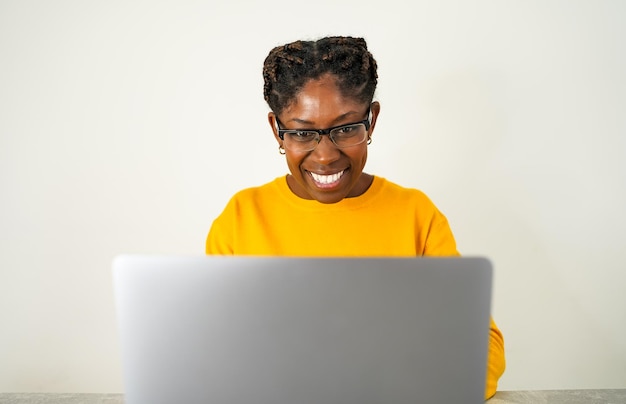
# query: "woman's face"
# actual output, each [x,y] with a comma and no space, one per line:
[327,174]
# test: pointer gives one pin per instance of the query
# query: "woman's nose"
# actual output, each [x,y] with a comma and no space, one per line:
[326,151]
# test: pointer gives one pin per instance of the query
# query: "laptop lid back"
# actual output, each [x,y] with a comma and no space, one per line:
[237,330]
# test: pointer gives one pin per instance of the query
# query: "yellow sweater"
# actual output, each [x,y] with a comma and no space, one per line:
[387,220]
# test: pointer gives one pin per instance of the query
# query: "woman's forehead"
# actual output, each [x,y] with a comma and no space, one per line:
[321,100]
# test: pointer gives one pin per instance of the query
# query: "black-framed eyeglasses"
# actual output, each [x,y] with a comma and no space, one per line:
[342,136]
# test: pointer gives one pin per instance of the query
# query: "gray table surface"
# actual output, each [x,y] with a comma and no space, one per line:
[502,397]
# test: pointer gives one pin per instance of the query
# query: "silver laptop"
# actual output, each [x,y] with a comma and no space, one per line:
[251,330]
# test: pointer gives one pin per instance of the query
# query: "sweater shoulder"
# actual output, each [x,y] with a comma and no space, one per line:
[401,193]
[256,193]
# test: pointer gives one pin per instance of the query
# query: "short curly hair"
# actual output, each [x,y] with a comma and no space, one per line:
[289,67]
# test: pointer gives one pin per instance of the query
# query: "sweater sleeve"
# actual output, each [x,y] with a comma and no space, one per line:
[220,240]
[440,242]
[495,361]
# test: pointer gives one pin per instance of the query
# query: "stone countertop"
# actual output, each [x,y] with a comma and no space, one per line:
[617,396]
[60,398]
[602,396]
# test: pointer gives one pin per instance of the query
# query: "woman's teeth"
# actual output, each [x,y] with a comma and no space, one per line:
[326,179]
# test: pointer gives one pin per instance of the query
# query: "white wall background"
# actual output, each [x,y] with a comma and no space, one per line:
[126,126]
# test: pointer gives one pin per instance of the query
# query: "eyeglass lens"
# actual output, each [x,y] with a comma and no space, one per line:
[345,136]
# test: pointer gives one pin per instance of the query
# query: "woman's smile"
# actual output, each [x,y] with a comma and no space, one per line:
[326,180]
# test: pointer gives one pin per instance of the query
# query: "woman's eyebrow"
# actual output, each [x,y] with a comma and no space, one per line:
[338,119]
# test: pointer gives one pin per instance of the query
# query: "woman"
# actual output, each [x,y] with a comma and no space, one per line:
[323,117]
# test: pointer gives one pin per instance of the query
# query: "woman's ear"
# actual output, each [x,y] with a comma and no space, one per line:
[273,121]
[375,108]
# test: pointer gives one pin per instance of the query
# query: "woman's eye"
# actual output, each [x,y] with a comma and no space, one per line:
[346,130]
[302,136]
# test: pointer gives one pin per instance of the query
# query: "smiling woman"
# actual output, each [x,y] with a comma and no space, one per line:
[323,117]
